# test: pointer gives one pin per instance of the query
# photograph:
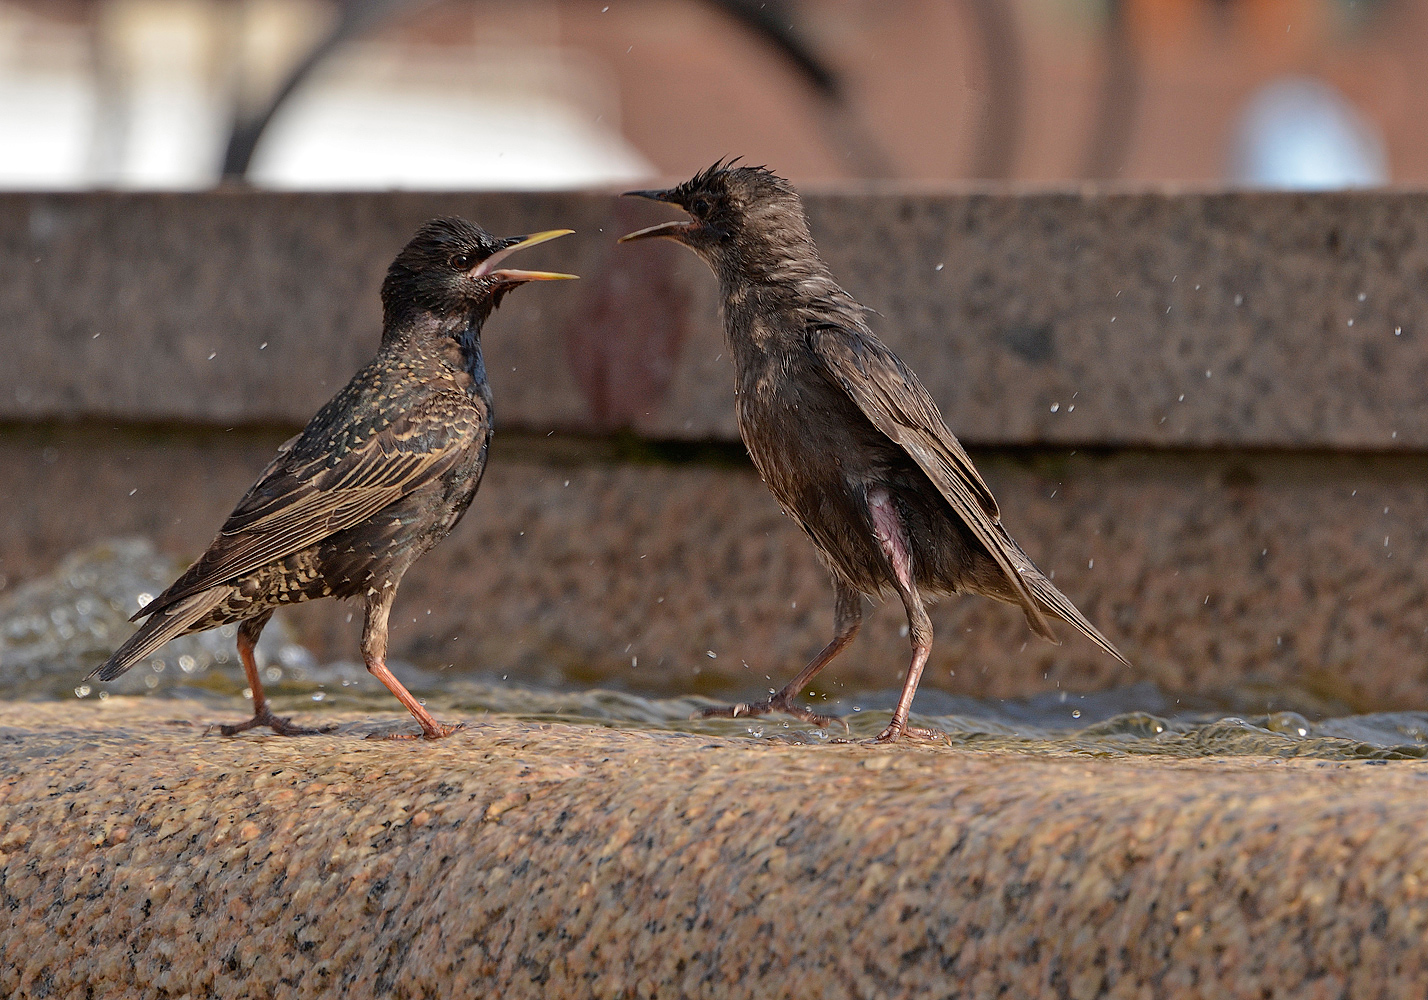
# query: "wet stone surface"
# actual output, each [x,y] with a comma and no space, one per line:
[141,857]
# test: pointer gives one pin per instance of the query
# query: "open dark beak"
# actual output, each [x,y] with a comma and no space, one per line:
[507,274]
[673,230]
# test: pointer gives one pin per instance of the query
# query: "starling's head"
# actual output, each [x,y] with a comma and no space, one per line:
[735,213]
[450,270]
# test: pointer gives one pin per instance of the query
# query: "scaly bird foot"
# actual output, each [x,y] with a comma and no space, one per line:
[893,733]
[774,704]
[426,734]
[281,726]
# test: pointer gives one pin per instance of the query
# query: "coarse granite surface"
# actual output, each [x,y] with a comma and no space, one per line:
[141,857]
[1212,571]
[1147,318]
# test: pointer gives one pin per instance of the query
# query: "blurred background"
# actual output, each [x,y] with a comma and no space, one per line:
[473,94]
[1240,499]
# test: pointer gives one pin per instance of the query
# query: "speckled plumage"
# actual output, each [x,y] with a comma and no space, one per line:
[846,437]
[381,474]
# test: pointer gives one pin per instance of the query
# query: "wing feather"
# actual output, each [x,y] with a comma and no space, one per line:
[893,399]
[300,500]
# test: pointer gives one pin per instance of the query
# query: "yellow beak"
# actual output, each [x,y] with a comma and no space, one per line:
[488,266]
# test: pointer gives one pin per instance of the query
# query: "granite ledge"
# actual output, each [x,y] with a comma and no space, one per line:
[140,857]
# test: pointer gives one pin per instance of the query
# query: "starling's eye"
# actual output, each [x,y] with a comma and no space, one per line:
[462,262]
[700,206]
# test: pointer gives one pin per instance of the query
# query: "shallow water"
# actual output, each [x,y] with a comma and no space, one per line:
[55,629]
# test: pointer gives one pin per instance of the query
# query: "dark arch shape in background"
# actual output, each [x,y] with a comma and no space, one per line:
[993,24]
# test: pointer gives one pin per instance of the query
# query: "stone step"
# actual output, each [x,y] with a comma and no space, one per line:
[1213,571]
[1256,320]
[139,856]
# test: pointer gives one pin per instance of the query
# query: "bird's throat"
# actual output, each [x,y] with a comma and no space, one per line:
[469,340]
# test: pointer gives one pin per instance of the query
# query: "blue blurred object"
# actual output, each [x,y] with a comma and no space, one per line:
[1300,133]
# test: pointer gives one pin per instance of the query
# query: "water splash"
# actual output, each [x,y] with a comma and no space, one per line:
[55,629]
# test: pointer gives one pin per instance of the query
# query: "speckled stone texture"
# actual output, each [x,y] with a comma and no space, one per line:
[1244,376]
[1254,319]
[1212,571]
[141,858]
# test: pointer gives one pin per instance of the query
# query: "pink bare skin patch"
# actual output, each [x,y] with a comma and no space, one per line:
[890,535]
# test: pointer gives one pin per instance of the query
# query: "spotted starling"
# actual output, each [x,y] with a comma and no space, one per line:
[844,434]
[381,474]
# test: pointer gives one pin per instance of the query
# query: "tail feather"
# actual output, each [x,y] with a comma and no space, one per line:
[159,629]
[1059,605]
[1048,598]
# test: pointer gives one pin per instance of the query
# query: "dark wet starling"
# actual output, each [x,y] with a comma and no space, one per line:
[381,474]
[844,434]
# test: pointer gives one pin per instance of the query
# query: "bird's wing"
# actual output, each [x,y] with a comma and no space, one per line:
[299,501]
[895,402]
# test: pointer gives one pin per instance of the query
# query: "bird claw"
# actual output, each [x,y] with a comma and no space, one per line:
[774,704]
[893,733]
[282,726]
[426,734]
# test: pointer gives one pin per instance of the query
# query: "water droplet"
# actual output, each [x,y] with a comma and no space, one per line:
[1239,300]
[1055,407]
[1362,296]
[1351,322]
[711,654]
[213,355]
[1091,564]
[1075,713]
[937,268]
[263,346]
[82,691]
[1398,331]
[1207,373]
[1182,397]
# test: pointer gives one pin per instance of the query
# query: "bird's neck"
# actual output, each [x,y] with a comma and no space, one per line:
[453,341]
[788,261]
[769,307]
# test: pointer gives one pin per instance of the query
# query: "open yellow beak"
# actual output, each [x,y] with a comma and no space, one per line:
[488,266]
[670,229]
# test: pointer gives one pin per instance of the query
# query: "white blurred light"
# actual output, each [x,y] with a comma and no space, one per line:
[150,107]
[1300,133]
[483,118]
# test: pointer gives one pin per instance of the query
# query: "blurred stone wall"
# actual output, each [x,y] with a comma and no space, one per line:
[1204,412]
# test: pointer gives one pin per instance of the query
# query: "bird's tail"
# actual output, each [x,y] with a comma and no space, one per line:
[1059,604]
[1049,599]
[159,629]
